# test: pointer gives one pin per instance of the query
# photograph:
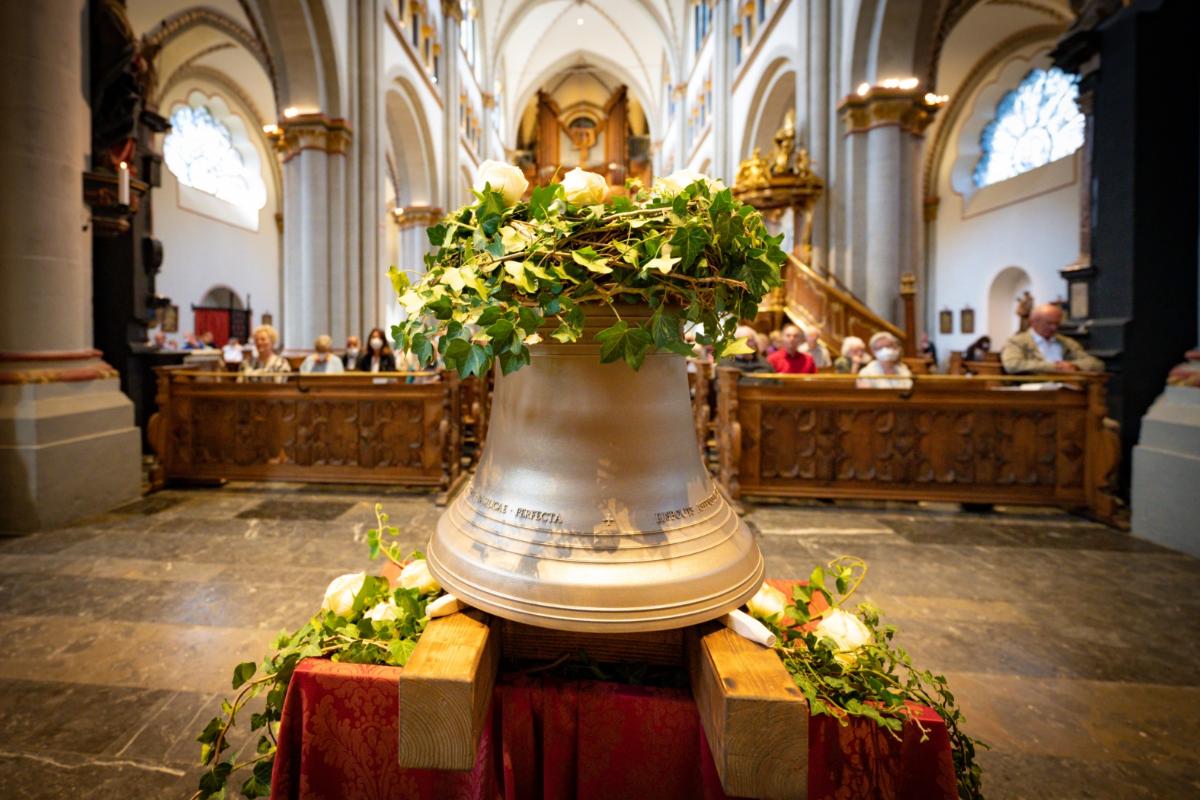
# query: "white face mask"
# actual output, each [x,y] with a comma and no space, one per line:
[376,343]
[352,351]
[887,354]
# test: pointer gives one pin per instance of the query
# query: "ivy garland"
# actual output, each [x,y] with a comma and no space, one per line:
[500,273]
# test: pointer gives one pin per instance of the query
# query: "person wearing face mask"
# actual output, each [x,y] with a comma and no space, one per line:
[323,360]
[887,371]
[378,356]
[350,360]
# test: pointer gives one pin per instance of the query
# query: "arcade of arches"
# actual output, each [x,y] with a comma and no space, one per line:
[175,168]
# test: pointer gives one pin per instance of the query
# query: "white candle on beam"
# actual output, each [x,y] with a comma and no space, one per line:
[123,184]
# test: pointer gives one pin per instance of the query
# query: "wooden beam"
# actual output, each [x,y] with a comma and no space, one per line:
[445,690]
[529,643]
[755,718]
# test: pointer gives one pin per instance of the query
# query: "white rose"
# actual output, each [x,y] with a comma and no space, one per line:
[416,576]
[339,597]
[387,611]
[847,631]
[443,606]
[767,604]
[584,188]
[506,179]
[679,180]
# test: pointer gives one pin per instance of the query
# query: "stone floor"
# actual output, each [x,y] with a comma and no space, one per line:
[1072,648]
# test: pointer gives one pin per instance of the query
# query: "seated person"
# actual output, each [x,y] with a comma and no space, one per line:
[978,350]
[379,357]
[206,341]
[232,353]
[265,364]
[748,362]
[160,341]
[854,356]
[788,359]
[887,363]
[350,360]
[1043,349]
[191,343]
[928,349]
[812,345]
[323,360]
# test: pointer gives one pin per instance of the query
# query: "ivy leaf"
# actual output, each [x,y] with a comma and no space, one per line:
[242,673]
[421,347]
[620,341]
[511,362]
[399,279]
[663,262]
[501,333]
[530,319]
[519,276]
[475,361]
[540,200]
[489,315]
[436,234]
[689,242]
[588,257]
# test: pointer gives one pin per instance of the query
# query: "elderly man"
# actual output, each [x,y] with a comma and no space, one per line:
[1043,349]
[747,362]
[812,345]
[789,357]
[323,360]
[350,360]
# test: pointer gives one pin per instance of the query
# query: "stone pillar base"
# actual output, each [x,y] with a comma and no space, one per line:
[1166,472]
[68,448]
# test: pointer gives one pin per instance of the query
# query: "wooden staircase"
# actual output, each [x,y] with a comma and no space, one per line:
[809,298]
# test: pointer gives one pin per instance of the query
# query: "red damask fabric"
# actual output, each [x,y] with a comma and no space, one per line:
[569,739]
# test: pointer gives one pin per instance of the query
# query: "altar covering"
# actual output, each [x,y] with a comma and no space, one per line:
[568,739]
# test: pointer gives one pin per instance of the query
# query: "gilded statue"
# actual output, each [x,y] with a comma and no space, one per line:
[785,145]
[752,171]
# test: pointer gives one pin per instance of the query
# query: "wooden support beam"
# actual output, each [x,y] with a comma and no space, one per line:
[528,643]
[755,718]
[445,690]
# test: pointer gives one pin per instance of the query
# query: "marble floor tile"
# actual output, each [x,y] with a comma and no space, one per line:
[1072,647]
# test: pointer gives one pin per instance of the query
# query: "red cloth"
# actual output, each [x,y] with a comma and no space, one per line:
[212,319]
[568,739]
[800,363]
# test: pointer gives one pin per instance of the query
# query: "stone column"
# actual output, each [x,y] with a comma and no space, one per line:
[814,83]
[368,269]
[722,166]
[68,445]
[890,121]
[314,193]
[450,86]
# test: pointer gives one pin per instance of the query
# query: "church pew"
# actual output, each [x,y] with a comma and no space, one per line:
[349,428]
[950,438]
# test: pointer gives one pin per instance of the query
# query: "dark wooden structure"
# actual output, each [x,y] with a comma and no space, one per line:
[950,438]
[349,428]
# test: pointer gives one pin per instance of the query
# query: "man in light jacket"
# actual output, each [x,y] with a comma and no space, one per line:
[1043,349]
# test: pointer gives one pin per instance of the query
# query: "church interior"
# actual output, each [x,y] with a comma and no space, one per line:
[976,368]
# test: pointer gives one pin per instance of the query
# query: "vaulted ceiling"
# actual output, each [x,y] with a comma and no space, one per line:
[533,41]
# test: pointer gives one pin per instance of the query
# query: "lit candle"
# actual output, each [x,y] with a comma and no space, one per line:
[123,184]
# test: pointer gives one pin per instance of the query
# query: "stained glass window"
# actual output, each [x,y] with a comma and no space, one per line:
[201,153]
[1036,123]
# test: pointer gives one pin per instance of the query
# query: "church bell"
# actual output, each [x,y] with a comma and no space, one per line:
[591,509]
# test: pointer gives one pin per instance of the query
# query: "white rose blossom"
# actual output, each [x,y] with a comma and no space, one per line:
[767,604]
[507,179]
[387,611]
[848,632]
[584,188]
[679,180]
[339,596]
[416,575]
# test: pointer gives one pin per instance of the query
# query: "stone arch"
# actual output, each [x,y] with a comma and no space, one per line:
[1002,296]
[965,96]
[774,95]
[414,162]
[222,296]
[299,35]
[892,39]
[176,25]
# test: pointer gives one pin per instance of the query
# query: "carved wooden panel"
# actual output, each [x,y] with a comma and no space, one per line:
[335,428]
[950,438]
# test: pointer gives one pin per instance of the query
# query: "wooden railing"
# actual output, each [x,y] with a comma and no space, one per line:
[815,300]
[947,438]
[348,428]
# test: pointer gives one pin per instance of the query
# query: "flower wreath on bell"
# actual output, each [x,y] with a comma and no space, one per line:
[505,269]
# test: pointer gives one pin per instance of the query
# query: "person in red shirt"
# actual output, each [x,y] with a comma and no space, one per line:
[789,358]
